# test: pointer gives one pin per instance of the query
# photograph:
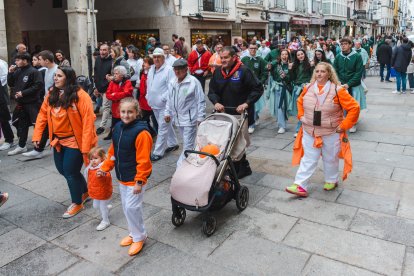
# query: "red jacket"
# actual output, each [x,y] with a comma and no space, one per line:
[143,104]
[195,63]
[116,92]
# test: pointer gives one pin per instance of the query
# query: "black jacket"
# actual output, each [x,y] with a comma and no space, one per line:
[384,54]
[103,66]
[242,87]
[29,81]
[401,57]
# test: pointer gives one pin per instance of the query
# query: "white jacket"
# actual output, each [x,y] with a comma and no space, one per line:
[185,102]
[157,85]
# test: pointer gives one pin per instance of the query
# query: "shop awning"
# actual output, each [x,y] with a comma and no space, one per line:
[300,21]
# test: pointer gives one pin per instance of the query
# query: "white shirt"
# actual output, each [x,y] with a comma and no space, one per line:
[170,60]
[49,78]
[136,64]
[3,72]
[264,51]
[157,85]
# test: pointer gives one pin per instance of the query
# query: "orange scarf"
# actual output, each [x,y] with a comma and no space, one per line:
[235,68]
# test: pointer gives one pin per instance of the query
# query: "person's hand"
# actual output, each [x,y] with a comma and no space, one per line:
[19,95]
[240,109]
[219,107]
[96,92]
[346,86]
[36,144]
[100,173]
[137,188]
[167,119]
[108,77]
[290,66]
[12,68]
[85,159]
[339,130]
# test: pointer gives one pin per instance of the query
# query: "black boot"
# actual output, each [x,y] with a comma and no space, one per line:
[244,168]
[109,137]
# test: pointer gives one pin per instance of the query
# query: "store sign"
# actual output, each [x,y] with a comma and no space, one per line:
[318,21]
[251,33]
[299,22]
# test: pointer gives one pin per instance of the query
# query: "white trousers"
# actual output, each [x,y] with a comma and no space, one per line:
[106,110]
[133,209]
[166,135]
[309,161]
[102,205]
[189,134]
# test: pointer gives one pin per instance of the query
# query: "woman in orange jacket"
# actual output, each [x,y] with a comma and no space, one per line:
[320,109]
[68,112]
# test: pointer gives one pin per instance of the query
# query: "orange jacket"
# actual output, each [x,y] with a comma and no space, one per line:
[99,187]
[81,118]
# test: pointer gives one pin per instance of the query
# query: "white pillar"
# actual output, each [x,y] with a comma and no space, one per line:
[80,17]
[3,38]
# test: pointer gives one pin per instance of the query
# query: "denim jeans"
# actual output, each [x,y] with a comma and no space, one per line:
[411,80]
[382,67]
[401,79]
[69,162]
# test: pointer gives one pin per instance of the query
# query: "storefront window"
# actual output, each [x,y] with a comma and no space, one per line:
[249,34]
[138,38]
[211,37]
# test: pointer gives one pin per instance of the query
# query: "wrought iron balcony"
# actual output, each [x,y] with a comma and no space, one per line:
[220,6]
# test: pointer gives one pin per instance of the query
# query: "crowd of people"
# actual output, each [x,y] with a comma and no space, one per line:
[142,98]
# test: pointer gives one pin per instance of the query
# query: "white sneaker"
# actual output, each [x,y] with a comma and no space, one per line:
[102,226]
[17,150]
[281,130]
[6,146]
[412,91]
[257,123]
[353,129]
[396,92]
[250,130]
[33,154]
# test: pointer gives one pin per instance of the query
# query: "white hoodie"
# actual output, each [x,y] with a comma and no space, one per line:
[157,85]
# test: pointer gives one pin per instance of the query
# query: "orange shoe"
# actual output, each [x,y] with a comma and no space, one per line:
[85,197]
[136,247]
[127,241]
[72,210]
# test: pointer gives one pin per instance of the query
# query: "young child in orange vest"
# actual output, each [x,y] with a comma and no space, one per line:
[99,185]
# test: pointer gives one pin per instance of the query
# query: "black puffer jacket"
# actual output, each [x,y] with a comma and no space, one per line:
[384,54]
[103,66]
[29,81]
[401,58]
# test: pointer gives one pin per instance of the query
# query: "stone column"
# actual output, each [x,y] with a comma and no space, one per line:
[13,27]
[3,37]
[79,36]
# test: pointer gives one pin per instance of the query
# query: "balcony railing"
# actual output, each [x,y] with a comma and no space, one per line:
[254,2]
[280,4]
[220,6]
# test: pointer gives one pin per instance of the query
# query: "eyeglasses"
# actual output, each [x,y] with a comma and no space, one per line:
[253,48]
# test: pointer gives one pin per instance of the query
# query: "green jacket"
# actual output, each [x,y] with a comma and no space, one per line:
[349,68]
[300,76]
[272,56]
[258,66]
[276,69]
[367,48]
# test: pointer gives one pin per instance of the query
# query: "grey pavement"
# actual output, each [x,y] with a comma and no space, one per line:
[365,227]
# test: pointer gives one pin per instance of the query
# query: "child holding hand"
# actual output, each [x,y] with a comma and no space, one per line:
[99,185]
[129,154]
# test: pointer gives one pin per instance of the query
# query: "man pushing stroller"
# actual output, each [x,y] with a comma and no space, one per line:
[235,86]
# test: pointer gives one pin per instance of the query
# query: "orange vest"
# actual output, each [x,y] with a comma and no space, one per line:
[99,187]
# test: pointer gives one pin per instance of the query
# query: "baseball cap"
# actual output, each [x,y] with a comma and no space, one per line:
[158,52]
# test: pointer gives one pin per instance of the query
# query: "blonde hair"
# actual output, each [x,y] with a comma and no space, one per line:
[117,50]
[131,100]
[333,77]
[97,151]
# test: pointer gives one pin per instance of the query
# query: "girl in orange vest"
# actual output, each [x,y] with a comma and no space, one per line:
[99,186]
[321,108]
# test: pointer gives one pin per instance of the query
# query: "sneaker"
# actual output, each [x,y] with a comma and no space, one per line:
[102,226]
[281,130]
[295,135]
[353,129]
[100,130]
[17,150]
[296,190]
[382,80]
[136,247]
[257,123]
[33,154]
[3,198]
[251,129]
[72,210]
[6,146]
[173,148]
[127,241]
[85,197]
[412,91]
[330,186]
[404,92]
[396,92]
[155,158]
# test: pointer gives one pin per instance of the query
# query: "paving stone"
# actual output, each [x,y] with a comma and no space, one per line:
[188,237]
[390,228]
[403,175]
[270,142]
[385,158]
[406,208]
[159,195]
[52,186]
[310,209]
[17,195]
[162,259]
[86,268]
[409,150]
[397,149]
[275,258]
[388,188]
[100,247]
[117,217]
[47,259]
[43,218]
[372,170]
[5,226]
[161,172]
[17,243]
[271,154]
[409,262]
[357,145]
[369,201]
[352,248]
[253,178]
[256,193]
[319,265]
[21,173]
[390,138]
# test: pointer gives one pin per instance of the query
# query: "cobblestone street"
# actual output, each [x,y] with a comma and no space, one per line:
[365,227]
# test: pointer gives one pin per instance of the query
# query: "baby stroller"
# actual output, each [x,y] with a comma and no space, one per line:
[207,181]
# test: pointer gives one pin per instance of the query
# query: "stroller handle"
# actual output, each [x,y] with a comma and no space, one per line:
[186,152]
[232,108]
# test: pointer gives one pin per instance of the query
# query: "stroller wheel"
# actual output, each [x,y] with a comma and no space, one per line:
[178,217]
[209,225]
[242,198]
